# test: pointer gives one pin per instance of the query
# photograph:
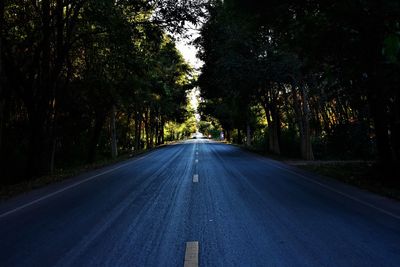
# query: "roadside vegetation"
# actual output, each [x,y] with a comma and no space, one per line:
[83,81]
[307,80]
[365,175]
[89,81]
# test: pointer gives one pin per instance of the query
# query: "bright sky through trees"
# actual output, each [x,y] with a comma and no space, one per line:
[188,50]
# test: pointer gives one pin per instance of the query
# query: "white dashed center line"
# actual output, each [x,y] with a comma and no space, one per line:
[192,254]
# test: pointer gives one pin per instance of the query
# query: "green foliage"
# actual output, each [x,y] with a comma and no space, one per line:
[391,47]
[65,65]
[346,141]
[325,73]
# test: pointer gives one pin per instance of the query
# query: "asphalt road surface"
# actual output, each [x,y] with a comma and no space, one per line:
[199,203]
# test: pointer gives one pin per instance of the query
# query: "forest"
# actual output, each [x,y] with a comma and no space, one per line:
[305,79]
[83,80]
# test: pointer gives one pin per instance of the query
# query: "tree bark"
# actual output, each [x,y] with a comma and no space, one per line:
[35,166]
[302,117]
[152,127]
[395,127]
[127,141]
[273,121]
[2,78]
[248,134]
[114,148]
[273,134]
[228,135]
[98,125]
[379,117]
[306,140]
[276,130]
[53,155]
[2,106]
[239,136]
[162,131]
[138,122]
[38,102]
[147,128]
[378,107]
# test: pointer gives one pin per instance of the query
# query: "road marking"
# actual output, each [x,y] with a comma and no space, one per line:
[347,195]
[192,254]
[197,161]
[68,187]
[195,178]
[365,203]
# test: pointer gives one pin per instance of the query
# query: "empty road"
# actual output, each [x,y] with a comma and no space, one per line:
[199,203]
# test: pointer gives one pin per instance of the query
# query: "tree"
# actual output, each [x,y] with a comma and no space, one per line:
[71,68]
[318,68]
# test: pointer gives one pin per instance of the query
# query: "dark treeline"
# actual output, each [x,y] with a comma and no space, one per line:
[84,79]
[314,79]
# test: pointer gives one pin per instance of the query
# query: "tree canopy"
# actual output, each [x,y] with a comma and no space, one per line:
[81,78]
[87,79]
[323,74]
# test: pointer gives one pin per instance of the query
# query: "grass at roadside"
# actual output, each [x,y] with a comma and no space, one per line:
[382,180]
[365,175]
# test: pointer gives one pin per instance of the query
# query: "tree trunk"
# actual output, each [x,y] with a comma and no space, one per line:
[53,156]
[2,78]
[35,166]
[143,130]
[378,108]
[379,117]
[127,142]
[157,133]
[273,130]
[395,127]
[2,106]
[302,114]
[38,102]
[239,136]
[274,137]
[307,151]
[98,125]
[248,135]
[114,148]
[52,136]
[228,135]
[152,127]
[147,128]
[161,132]
[138,123]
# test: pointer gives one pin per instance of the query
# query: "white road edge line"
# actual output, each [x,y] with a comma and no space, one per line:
[339,192]
[348,196]
[195,178]
[66,188]
[192,254]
